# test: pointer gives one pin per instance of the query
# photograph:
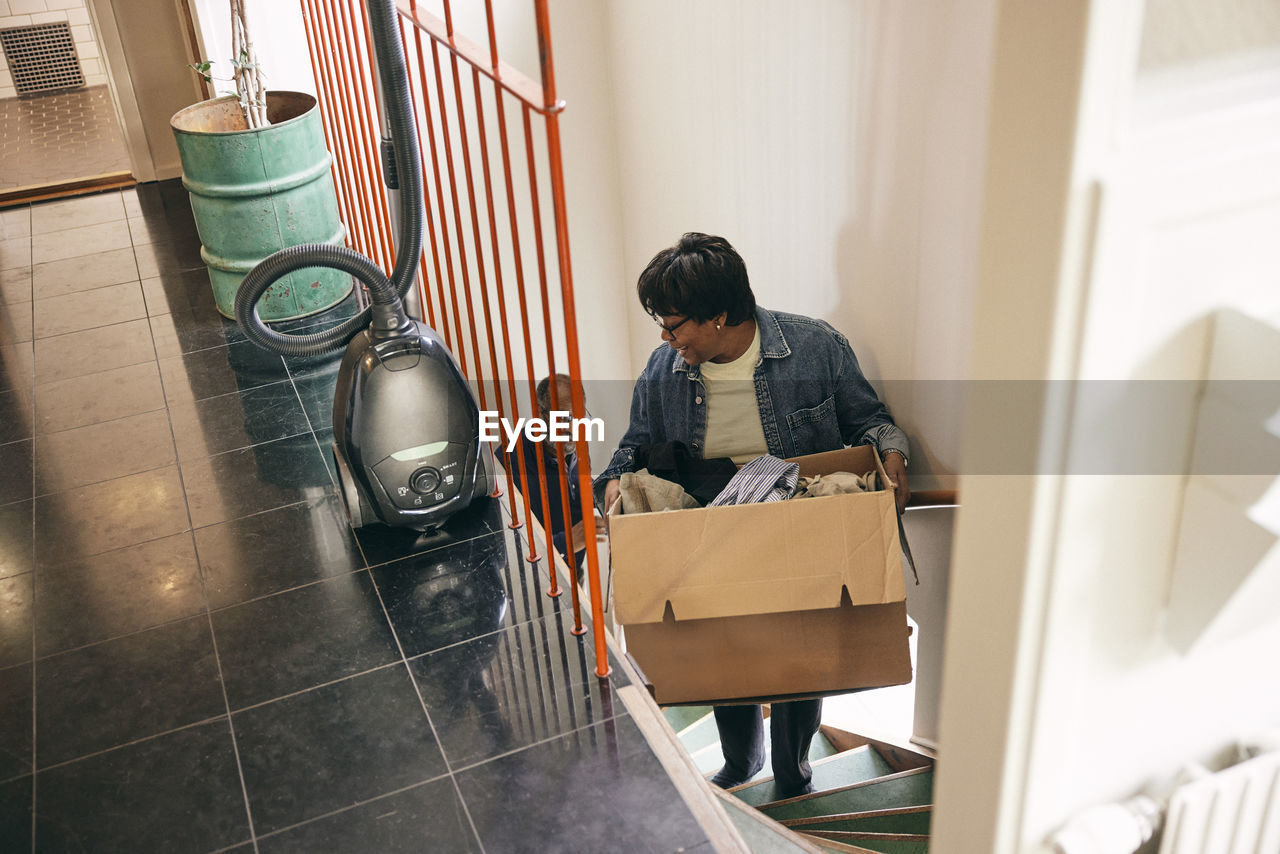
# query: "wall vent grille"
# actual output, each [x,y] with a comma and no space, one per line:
[42,57]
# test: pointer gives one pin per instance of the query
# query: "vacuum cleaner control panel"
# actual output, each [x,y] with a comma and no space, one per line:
[413,482]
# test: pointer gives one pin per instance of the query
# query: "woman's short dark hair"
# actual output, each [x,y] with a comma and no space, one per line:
[700,277]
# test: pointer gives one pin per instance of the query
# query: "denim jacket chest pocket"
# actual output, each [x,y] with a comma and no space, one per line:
[815,429]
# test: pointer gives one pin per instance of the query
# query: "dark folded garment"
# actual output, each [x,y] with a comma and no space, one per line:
[673,461]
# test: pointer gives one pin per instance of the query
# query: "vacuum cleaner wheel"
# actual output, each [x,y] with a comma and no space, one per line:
[359,511]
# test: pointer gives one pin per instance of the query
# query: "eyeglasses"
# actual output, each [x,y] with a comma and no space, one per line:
[670,330]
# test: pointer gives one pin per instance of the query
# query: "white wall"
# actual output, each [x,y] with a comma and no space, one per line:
[838,147]
[278,38]
[24,13]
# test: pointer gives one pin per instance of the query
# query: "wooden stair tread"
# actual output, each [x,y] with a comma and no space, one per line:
[895,846]
[862,837]
[838,847]
[913,787]
[917,819]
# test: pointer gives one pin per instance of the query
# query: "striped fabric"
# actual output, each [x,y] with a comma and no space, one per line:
[763,479]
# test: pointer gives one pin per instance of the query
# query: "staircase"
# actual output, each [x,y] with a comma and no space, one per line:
[871,796]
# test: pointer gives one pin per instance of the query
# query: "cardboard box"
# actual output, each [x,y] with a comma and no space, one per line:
[759,602]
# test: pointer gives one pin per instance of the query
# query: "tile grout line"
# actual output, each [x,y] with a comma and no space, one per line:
[204,594]
[333,474]
[77,293]
[421,703]
[32,405]
[356,805]
[131,742]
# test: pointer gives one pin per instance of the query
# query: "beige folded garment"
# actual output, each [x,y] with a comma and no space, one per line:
[644,493]
[837,483]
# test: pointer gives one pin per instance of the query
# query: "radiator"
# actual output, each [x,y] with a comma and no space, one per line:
[1236,811]
[42,57]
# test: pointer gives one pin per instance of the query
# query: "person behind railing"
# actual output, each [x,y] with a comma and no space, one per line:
[736,380]
[529,476]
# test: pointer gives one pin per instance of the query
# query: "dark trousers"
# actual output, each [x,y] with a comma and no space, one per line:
[791,730]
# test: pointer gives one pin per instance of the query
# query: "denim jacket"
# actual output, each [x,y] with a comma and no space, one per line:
[810,391]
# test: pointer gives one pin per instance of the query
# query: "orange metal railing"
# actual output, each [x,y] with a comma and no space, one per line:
[482,213]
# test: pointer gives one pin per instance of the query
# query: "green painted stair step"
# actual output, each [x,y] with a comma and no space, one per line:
[882,843]
[710,758]
[829,772]
[699,735]
[905,788]
[680,717]
[897,820]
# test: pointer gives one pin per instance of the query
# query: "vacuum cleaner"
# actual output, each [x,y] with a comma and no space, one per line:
[405,420]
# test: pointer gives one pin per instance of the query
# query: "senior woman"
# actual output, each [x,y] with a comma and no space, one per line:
[736,380]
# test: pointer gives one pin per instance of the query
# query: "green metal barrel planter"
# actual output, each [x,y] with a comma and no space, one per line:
[254,192]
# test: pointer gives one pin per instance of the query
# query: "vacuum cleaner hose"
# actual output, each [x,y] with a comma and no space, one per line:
[384,291]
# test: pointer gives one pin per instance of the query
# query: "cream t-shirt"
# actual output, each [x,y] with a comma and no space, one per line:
[733,416]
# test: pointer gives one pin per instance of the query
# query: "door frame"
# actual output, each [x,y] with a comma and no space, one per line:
[120,82]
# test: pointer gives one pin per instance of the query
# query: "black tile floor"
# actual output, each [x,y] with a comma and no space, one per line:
[197,653]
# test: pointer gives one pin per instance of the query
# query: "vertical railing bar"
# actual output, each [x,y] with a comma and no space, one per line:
[355,156]
[435,171]
[493,40]
[476,242]
[457,212]
[508,178]
[448,19]
[322,99]
[497,262]
[481,132]
[542,279]
[332,113]
[570,326]
[359,165]
[373,135]
[562,469]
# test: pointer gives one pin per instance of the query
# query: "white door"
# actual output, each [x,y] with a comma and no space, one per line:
[1104,626]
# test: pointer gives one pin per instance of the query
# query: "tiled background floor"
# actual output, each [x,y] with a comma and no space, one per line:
[196,651]
[59,137]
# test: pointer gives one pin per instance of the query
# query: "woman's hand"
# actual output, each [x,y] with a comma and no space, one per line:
[896,468]
[612,490]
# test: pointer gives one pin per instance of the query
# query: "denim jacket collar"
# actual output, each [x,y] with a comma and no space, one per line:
[773,344]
